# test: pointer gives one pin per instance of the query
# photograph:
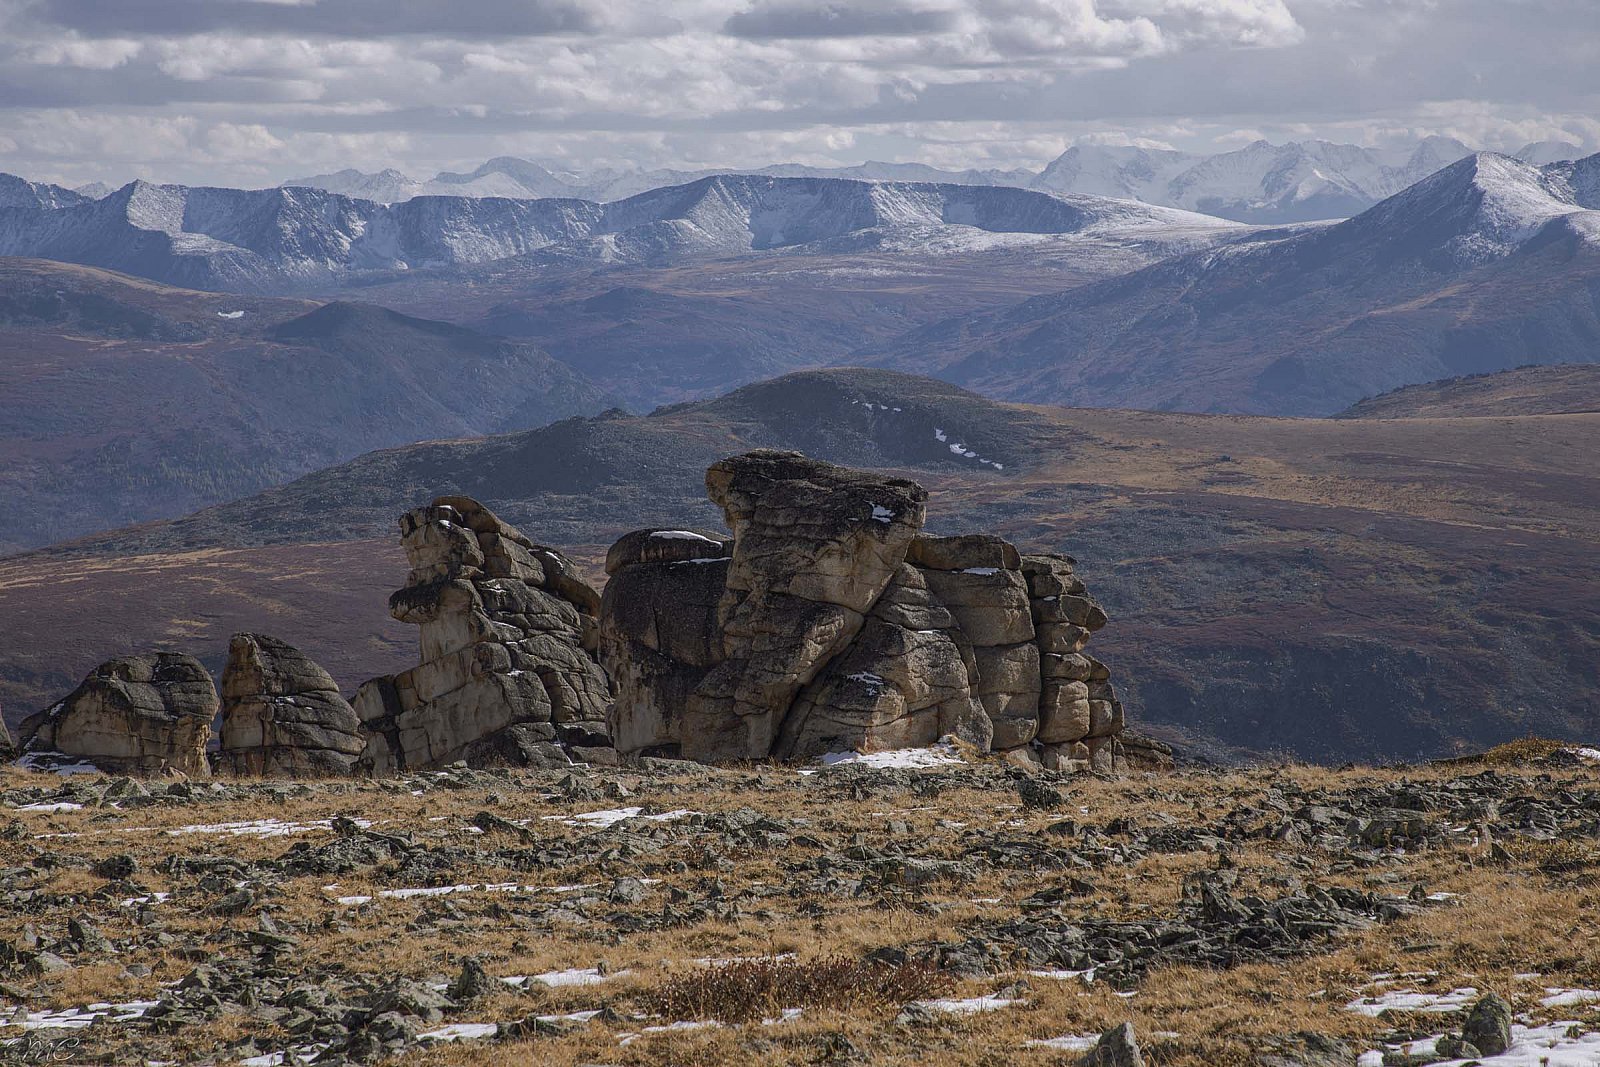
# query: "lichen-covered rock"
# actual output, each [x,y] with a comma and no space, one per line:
[282,714]
[903,682]
[141,715]
[509,631]
[829,621]
[815,546]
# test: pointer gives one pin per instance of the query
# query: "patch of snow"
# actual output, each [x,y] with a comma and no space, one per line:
[302,1054]
[1557,1044]
[461,1032]
[153,898]
[61,805]
[1410,1000]
[612,816]
[56,763]
[1067,1042]
[881,513]
[986,571]
[967,1006]
[939,755]
[939,435]
[1066,976]
[230,314]
[260,828]
[628,1039]
[79,1018]
[1588,755]
[1564,998]
[574,976]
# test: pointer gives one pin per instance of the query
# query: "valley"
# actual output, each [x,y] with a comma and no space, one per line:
[1316,588]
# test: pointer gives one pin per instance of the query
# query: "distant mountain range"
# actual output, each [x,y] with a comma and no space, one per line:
[1262,183]
[127,401]
[284,238]
[1489,263]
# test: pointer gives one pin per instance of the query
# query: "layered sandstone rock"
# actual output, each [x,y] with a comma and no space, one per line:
[282,715]
[509,629]
[828,622]
[814,547]
[145,715]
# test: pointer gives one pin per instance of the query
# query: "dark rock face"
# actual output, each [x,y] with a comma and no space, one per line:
[830,622]
[509,631]
[142,715]
[282,715]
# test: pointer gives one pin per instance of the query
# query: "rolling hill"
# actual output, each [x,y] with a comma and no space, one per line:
[1556,390]
[126,400]
[1334,589]
[1490,263]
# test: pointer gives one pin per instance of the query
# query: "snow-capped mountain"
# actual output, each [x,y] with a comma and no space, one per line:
[1487,264]
[1540,153]
[18,192]
[521,179]
[266,238]
[1261,183]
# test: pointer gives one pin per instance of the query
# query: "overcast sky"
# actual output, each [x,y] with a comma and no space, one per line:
[249,92]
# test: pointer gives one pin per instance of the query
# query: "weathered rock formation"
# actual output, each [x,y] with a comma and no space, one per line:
[282,715]
[829,622]
[142,715]
[509,630]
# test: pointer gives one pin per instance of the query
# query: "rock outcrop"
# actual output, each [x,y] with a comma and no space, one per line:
[828,621]
[508,671]
[144,715]
[282,715]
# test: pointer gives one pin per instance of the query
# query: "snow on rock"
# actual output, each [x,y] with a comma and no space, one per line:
[230,314]
[881,514]
[680,535]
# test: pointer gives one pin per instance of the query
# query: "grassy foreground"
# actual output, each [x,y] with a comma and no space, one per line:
[852,914]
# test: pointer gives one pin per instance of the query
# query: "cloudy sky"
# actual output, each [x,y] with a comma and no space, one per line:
[249,92]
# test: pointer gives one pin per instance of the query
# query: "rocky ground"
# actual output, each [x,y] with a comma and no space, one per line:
[956,912]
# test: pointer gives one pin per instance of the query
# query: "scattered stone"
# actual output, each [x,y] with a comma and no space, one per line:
[1488,1026]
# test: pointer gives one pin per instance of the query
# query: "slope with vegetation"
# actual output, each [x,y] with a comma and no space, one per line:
[1330,588]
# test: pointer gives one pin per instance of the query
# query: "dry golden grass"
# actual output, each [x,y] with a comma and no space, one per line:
[1528,909]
